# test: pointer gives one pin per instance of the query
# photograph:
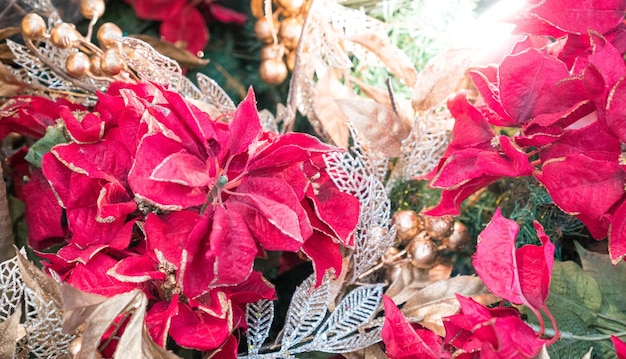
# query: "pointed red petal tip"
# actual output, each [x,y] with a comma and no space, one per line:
[404,341]
[521,276]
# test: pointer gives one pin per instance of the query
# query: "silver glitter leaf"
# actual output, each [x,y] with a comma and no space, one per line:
[372,235]
[259,317]
[306,311]
[424,146]
[214,94]
[11,288]
[354,311]
[353,342]
[150,65]
[38,72]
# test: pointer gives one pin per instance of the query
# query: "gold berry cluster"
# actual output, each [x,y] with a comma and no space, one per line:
[86,59]
[421,239]
[280,33]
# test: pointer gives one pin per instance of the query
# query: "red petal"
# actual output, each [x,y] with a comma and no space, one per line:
[272,207]
[43,213]
[158,319]
[87,231]
[287,150]
[93,277]
[87,130]
[470,127]
[534,265]
[615,113]
[168,195]
[325,255]
[157,9]
[198,330]
[136,269]
[513,339]
[114,203]
[495,260]
[187,28]
[581,16]
[339,210]
[586,187]
[620,347]
[245,126]
[182,168]
[226,15]
[521,276]
[402,341]
[168,234]
[525,78]
[617,234]
[592,140]
[233,247]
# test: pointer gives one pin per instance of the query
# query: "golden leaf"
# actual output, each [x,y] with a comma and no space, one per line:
[372,352]
[378,124]
[411,280]
[8,32]
[441,77]
[327,89]
[9,84]
[438,300]
[405,112]
[96,314]
[185,58]
[394,58]
[9,334]
[35,279]
[257,8]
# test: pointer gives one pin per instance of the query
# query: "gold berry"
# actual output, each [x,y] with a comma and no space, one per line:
[422,252]
[458,239]
[273,71]
[438,227]
[272,52]
[389,257]
[291,60]
[92,8]
[408,224]
[108,34]
[264,31]
[32,26]
[95,64]
[112,62]
[64,35]
[290,30]
[291,6]
[77,64]
[75,346]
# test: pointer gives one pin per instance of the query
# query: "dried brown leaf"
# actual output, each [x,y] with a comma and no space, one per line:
[9,334]
[371,352]
[339,284]
[8,32]
[327,89]
[36,280]
[6,226]
[395,59]
[78,306]
[257,8]
[184,58]
[6,55]
[411,280]
[402,106]
[440,78]
[378,124]
[96,314]
[9,84]
[438,300]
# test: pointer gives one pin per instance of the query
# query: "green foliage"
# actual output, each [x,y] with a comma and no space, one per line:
[53,137]
[413,195]
[587,301]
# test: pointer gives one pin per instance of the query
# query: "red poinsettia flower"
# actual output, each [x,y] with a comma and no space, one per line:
[481,332]
[149,192]
[474,159]
[183,22]
[405,341]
